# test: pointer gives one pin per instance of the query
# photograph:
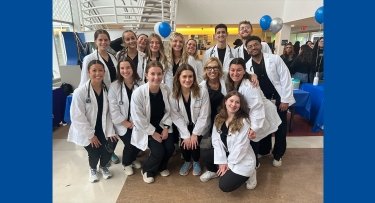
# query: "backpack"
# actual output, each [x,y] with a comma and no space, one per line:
[67,88]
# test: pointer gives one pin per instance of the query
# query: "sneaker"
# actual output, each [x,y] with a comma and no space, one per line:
[251,183]
[128,170]
[147,179]
[93,175]
[184,170]
[115,159]
[136,164]
[165,173]
[105,172]
[196,169]
[257,166]
[208,175]
[277,163]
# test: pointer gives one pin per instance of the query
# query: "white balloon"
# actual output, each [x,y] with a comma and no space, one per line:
[156,28]
[276,25]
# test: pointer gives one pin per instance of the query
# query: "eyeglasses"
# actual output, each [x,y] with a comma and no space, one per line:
[214,68]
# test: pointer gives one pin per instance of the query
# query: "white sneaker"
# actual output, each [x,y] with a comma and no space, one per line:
[136,164]
[128,170]
[251,183]
[93,175]
[105,172]
[165,173]
[147,179]
[208,175]
[277,163]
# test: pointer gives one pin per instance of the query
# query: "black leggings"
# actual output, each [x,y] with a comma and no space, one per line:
[130,152]
[191,153]
[96,154]
[231,181]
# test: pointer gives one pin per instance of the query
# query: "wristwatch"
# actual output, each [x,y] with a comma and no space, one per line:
[167,126]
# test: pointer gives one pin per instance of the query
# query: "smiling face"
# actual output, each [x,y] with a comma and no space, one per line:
[154,75]
[212,70]
[130,40]
[126,70]
[254,48]
[244,30]
[236,72]
[186,79]
[142,42]
[102,42]
[154,45]
[221,35]
[96,73]
[232,104]
[191,47]
[177,43]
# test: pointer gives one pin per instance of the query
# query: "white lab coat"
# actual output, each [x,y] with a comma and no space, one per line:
[141,114]
[88,59]
[263,115]
[200,114]
[119,113]
[223,89]
[198,68]
[83,116]
[168,77]
[279,75]
[238,52]
[229,56]
[142,62]
[241,158]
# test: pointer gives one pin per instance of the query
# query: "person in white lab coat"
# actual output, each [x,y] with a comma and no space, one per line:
[232,157]
[190,112]
[276,83]
[91,125]
[191,50]
[245,29]
[155,52]
[129,39]
[102,41]
[119,95]
[263,114]
[221,50]
[150,111]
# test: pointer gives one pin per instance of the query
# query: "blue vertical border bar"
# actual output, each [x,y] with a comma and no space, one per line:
[26,110]
[349,79]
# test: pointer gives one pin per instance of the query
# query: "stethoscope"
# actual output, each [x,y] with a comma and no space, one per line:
[121,101]
[88,99]
[230,51]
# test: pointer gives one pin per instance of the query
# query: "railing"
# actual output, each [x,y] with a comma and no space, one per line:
[129,14]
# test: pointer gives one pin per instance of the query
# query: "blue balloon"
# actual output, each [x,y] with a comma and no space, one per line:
[165,29]
[265,22]
[319,15]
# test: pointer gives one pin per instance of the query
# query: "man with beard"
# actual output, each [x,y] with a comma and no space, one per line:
[276,84]
[245,29]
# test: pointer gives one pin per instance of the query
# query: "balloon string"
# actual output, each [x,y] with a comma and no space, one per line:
[162,11]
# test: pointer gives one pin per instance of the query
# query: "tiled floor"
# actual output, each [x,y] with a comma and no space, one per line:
[70,170]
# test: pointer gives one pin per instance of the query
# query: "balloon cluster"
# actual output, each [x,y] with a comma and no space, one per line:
[163,29]
[274,25]
[319,15]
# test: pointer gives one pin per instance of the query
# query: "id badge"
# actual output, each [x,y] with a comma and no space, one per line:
[273,101]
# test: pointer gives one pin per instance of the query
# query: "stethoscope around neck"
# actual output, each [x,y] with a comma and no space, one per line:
[88,99]
[230,51]
[121,102]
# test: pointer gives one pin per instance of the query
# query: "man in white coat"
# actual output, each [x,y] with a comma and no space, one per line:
[245,29]
[276,84]
[221,50]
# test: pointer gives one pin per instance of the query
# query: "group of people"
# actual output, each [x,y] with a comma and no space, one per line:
[152,98]
[306,61]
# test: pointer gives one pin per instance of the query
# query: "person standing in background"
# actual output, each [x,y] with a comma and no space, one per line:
[142,42]
[288,55]
[318,58]
[191,51]
[303,64]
